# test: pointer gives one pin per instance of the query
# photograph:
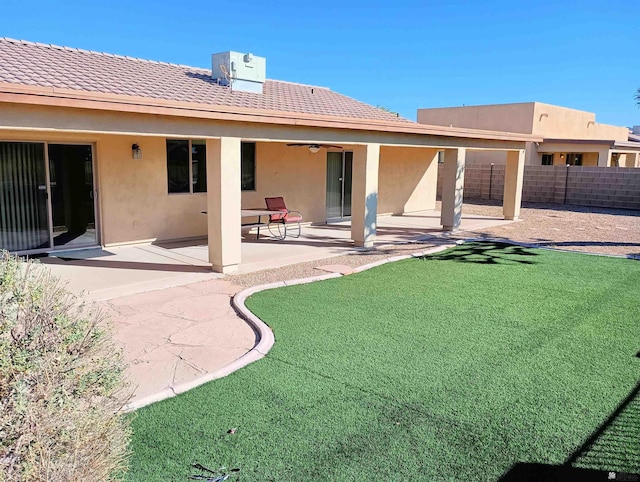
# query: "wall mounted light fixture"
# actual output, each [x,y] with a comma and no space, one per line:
[136,151]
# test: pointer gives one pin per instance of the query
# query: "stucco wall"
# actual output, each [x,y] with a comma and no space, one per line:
[500,117]
[134,198]
[294,173]
[407,179]
[133,202]
[557,122]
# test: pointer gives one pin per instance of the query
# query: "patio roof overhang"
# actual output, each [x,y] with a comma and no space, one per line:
[550,145]
[306,125]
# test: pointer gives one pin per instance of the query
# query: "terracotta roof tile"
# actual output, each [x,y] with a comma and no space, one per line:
[37,64]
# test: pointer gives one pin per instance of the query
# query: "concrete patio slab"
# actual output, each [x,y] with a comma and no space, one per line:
[124,270]
[174,317]
[177,335]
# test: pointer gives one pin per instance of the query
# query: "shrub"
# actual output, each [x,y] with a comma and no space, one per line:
[61,382]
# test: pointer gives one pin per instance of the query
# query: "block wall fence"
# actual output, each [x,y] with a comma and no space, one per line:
[613,187]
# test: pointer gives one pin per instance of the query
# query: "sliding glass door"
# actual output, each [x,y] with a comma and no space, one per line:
[23,197]
[72,207]
[339,170]
[46,196]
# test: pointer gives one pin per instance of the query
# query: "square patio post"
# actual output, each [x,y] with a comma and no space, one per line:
[513,176]
[223,203]
[364,194]
[604,158]
[452,188]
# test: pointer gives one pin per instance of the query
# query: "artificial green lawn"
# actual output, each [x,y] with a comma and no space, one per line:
[452,367]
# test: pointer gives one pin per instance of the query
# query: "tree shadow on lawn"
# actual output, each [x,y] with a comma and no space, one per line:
[486,253]
[613,448]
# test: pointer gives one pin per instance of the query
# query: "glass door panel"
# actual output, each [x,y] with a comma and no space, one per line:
[72,205]
[23,197]
[334,185]
[346,185]
[339,174]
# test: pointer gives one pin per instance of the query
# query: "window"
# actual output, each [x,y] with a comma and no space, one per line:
[574,159]
[186,166]
[547,159]
[248,167]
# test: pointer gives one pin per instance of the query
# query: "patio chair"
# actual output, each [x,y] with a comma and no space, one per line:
[281,221]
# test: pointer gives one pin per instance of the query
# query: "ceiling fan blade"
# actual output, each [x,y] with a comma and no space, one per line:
[310,144]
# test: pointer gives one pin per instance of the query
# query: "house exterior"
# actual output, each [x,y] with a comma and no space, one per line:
[570,136]
[99,149]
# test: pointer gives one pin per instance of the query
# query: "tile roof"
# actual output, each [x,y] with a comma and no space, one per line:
[43,65]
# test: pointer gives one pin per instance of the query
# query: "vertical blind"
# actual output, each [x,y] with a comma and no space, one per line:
[23,198]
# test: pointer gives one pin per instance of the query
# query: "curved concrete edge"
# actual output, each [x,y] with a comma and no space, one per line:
[391,259]
[265,335]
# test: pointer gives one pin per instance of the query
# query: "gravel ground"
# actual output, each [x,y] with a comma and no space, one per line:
[575,228]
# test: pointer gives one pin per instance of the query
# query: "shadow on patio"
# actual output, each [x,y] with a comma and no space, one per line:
[121,270]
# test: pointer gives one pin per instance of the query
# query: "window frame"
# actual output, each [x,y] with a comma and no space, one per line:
[200,142]
[574,158]
[550,156]
[253,188]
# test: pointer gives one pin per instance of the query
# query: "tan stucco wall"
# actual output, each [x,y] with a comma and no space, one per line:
[499,117]
[133,202]
[557,122]
[545,120]
[292,172]
[407,179]
[589,159]
[134,197]
[536,118]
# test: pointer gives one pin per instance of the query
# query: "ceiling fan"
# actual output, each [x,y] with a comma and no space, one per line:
[314,147]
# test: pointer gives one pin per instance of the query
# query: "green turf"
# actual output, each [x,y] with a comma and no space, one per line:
[452,367]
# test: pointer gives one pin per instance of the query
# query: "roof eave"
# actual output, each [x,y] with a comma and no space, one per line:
[56,97]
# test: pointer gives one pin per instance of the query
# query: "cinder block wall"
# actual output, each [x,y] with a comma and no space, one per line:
[616,187]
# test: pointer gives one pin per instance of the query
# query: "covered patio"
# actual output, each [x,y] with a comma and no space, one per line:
[105,273]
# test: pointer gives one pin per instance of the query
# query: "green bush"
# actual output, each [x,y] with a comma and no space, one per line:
[61,383]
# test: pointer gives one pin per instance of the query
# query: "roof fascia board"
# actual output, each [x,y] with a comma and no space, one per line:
[84,100]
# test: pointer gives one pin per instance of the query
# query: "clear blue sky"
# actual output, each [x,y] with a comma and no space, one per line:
[398,54]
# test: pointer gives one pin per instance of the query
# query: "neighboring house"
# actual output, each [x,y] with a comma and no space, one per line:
[569,136]
[100,149]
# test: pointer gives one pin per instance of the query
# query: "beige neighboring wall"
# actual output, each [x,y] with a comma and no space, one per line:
[550,122]
[557,122]
[407,179]
[498,117]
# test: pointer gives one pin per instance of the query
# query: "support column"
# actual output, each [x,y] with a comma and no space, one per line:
[604,158]
[452,188]
[423,197]
[513,177]
[223,203]
[364,194]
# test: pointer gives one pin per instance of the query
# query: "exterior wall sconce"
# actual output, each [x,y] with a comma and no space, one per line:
[561,156]
[136,151]
[314,148]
